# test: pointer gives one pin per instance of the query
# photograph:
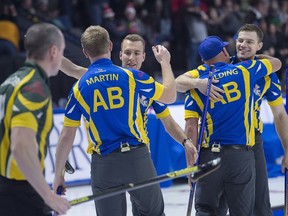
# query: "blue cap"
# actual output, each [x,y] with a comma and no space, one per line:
[210,47]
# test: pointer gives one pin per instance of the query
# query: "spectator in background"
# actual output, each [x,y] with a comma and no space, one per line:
[233,18]
[9,34]
[132,22]
[90,12]
[116,31]
[65,13]
[42,9]
[257,10]
[26,9]
[197,32]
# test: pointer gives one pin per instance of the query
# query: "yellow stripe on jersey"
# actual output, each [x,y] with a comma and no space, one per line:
[142,137]
[268,65]
[132,86]
[71,123]
[163,114]
[138,121]
[6,120]
[257,108]
[95,133]
[251,66]
[15,172]
[250,130]
[276,102]
[194,73]
[80,98]
[209,120]
[191,114]
[22,119]
[159,89]
[47,127]
[32,106]
[277,85]
[148,81]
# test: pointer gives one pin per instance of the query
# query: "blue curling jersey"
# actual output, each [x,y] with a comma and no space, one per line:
[267,87]
[107,97]
[229,121]
[161,110]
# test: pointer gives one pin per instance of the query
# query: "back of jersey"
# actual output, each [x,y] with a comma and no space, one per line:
[230,120]
[107,96]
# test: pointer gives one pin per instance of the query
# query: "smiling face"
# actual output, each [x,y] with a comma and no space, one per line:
[132,54]
[247,45]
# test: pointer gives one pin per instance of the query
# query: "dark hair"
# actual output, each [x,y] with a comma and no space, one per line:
[252,28]
[39,38]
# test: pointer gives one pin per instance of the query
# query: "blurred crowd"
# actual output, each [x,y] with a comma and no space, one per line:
[180,25]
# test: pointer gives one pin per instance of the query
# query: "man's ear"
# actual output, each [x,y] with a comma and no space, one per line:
[260,45]
[110,46]
[144,56]
[53,50]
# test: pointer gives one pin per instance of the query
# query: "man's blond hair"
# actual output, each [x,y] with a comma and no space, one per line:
[95,41]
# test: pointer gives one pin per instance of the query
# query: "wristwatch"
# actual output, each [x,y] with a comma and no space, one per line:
[185,140]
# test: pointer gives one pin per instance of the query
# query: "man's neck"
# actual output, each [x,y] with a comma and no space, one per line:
[93,59]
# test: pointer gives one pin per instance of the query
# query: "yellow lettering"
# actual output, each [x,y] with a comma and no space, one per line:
[115,76]
[102,78]
[213,102]
[115,94]
[96,79]
[99,101]
[231,91]
[90,81]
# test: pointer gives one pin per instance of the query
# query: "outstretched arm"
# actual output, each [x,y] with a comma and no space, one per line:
[178,134]
[275,62]
[163,57]
[71,69]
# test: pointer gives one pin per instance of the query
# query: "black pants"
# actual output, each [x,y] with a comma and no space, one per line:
[118,168]
[262,199]
[18,198]
[235,179]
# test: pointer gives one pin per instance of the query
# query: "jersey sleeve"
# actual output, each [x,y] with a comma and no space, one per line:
[274,93]
[147,86]
[29,104]
[196,73]
[72,111]
[191,108]
[160,109]
[258,68]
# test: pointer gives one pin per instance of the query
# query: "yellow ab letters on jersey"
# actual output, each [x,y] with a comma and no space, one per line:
[115,99]
[232,93]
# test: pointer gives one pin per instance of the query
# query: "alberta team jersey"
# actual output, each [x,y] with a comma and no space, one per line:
[25,101]
[267,87]
[229,121]
[107,97]
[161,110]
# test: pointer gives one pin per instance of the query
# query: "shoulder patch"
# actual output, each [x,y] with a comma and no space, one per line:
[35,88]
